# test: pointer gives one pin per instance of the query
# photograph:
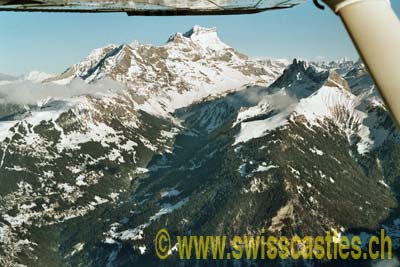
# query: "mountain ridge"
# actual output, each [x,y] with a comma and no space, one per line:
[198,139]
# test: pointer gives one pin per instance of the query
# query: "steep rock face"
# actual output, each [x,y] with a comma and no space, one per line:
[335,80]
[199,139]
[300,79]
[82,68]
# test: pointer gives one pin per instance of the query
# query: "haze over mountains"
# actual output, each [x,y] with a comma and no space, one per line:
[191,136]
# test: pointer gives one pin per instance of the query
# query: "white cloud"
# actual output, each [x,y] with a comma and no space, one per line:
[27,92]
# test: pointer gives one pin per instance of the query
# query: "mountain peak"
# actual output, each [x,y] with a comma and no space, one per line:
[201,36]
[134,44]
[344,60]
[300,79]
[299,70]
[37,76]
[98,53]
[199,30]
[299,65]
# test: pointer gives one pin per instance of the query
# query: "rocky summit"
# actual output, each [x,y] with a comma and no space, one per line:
[195,137]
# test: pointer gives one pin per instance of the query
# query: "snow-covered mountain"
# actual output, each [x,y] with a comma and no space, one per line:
[191,136]
[37,76]
[315,96]
[189,67]
[33,76]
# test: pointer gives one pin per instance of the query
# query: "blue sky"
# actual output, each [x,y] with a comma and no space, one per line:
[52,42]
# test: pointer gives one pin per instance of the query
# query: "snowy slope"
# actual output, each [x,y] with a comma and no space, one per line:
[318,98]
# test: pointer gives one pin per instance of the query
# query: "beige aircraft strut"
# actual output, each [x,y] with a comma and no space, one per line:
[375,31]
